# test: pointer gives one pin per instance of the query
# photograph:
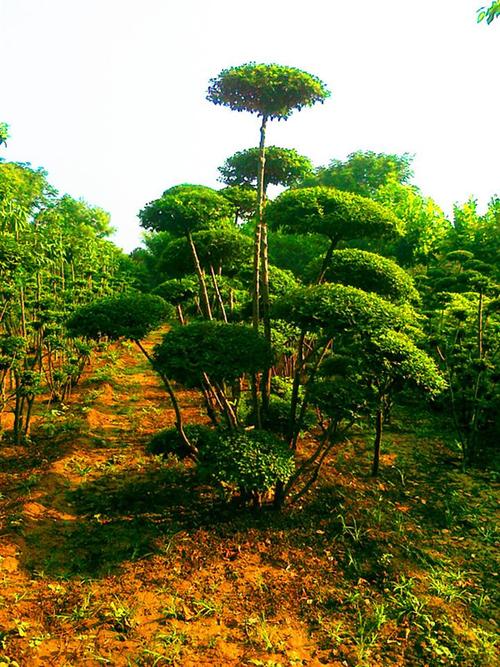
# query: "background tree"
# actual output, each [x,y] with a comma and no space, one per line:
[364,172]
[490,13]
[4,133]
[425,225]
[53,258]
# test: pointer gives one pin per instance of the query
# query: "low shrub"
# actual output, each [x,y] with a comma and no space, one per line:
[247,462]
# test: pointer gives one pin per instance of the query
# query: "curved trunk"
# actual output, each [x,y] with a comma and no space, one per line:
[179,423]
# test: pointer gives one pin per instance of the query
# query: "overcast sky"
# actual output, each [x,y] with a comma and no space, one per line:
[109,95]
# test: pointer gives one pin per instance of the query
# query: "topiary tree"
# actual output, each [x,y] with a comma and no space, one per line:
[177,292]
[244,200]
[392,362]
[212,356]
[284,166]
[340,216]
[221,252]
[273,92]
[370,272]
[330,316]
[129,316]
[183,210]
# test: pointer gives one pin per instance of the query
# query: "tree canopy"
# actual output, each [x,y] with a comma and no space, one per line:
[284,166]
[268,90]
[130,316]
[333,213]
[4,133]
[186,208]
[490,13]
[370,272]
[364,172]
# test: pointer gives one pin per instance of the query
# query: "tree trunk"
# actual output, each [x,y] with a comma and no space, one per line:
[180,314]
[218,294]
[379,421]
[480,326]
[264,268]
[205,302]
[257,263]
[179,423]
[258,228]
[295,390]
[326,260]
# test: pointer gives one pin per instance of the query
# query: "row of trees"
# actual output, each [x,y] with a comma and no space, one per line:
[54,257]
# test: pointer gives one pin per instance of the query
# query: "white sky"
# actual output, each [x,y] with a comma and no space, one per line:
[109,95]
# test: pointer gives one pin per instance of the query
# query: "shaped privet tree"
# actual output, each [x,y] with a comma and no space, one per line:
[129,316]
[330,316]
[183,210]
[273,92]
[340,216]
[213,356]
[283,166]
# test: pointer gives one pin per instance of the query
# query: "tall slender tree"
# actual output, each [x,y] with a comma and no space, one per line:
[273,92]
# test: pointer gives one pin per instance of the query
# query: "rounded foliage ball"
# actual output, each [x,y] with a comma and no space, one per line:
[222,351]
[268,90]
[131,316]
[248,461]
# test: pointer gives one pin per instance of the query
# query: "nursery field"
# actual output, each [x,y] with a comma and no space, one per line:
[110,555]
[267,436]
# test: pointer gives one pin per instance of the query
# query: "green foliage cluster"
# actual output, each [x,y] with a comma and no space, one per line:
[4,133]
[185,209]
[335,214]
[340,308]
[251,462]
[268,90]
[364,172]
[177,291]
[489,14]
[244,200]
[397,359]
[129,315]
[284,166]
[370,272]
[223,249]
[54,257]
[222,351]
